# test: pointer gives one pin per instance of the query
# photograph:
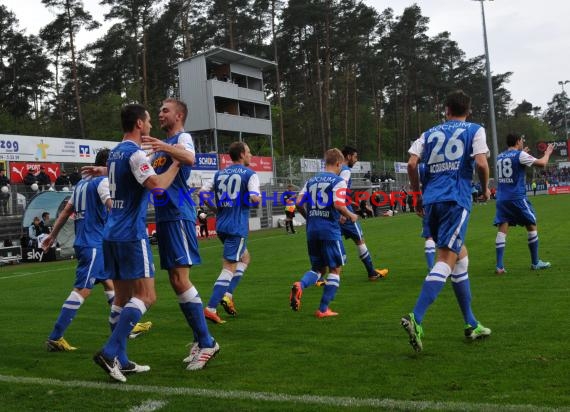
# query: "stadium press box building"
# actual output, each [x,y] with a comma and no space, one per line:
[225,95]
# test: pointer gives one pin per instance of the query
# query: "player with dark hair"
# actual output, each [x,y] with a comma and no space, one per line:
[513,206]
[321,202]
[126,248]
[352,230]
[450,152]
[176,226]
[235,190]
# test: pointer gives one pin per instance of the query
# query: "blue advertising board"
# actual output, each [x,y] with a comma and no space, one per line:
[206,161]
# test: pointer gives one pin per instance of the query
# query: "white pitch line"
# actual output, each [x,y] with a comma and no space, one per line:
[29,274]
[148,406]
[338,401]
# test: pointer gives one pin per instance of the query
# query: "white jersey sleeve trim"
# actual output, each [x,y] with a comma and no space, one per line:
[339,188]
[417,147]
[253,184]
[186,140]
[526,159]
[480,143]
[140,166]
[103,190]
[345,174]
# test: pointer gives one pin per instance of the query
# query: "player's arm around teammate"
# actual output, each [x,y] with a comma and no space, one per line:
[176,151]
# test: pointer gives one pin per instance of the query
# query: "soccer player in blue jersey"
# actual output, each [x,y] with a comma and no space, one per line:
[450,151]
[232,192]
[513,206]
[176,226]
[322,202]
[89,201]
[126,248]
[352,230]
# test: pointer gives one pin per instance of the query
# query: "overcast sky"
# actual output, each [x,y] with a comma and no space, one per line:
[528,37]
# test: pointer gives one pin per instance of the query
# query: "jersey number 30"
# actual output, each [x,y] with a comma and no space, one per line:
[229,186]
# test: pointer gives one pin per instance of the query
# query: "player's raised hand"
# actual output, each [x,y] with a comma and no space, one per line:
[549,149]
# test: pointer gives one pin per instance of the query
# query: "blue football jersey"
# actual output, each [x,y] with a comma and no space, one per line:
[511,174]
[448,152]
[128,167]
[177,204]
[319,195]
[231,188]
[88,202]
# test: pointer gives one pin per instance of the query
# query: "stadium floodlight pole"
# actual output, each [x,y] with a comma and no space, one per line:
[562,83]
[490,87]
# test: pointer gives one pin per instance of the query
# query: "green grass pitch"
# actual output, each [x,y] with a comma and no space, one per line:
[274,359]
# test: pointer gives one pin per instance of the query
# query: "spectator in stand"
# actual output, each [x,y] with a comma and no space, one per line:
[74,177]
[30,178]
[4,193]
[62,180]
[44,224]
[4,181]
[43,179]
[34,231]
[4,200]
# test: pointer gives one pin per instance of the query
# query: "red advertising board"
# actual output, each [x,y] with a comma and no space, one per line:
[257,163]
[18,170]
[559,190]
